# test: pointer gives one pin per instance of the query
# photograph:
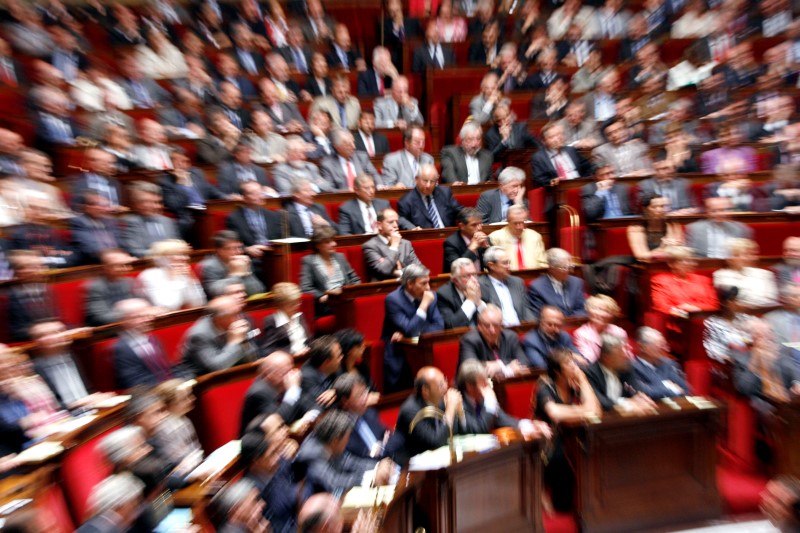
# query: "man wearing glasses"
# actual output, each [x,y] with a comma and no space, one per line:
[558,287]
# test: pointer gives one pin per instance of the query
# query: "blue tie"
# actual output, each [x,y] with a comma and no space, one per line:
[433,215]
[300,61]
[342,115]
[612,205]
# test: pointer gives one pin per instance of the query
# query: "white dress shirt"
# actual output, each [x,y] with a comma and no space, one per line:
[473,170]
[510,317]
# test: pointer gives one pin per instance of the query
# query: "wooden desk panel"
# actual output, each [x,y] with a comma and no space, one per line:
[644,472]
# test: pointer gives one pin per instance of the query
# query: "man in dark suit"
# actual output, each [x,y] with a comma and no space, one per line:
[377,81]
[709,237]
[506,133]
[498,348]
[467,163]
[102,293]
[145,225]
[540,342]
[613,382]
[343,54]
[788,270]
[95,230]
[493,205]
[250,61]
[370,436]
[557,162]
[320,370]
[368,140]
[296,52]
[558,287]
[605,198]
[286,117]
[360,215]
[143,92]
[410,311]
[387,253]
[667,185]
[546,74]
[254,225]
[502,289]
[469,242]
[342,168]
[37,232]
[430,389]
[397,30]
[102,166]
[120,501]
[459,300]
[485,51]
[275,390]
[432,54]
[139,359]
[228,71]
[658,376]
[230,102]
[429,205]
[231,174]
[303,214]
[228,263]
[31,298]
[53,126]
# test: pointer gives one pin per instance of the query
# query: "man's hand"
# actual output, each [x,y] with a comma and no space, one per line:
[428,297]
[318,220]
[479,240]
[237,331]
[394,239]
[473,291]
[256,250]
[292,379]
[605,185]
[383,472]
[326,398]
[240,266]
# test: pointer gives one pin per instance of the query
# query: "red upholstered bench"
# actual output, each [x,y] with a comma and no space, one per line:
[367,317]
[770,235]
[445,358]
[216,413]
[431,254]
[467,200]
[53,505]
[70,298]
[82,468]
[517,395]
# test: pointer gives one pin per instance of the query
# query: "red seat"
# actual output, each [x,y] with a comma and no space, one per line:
[356,259]
[171,339]
[467,200]
[517,398]
[536,198]
[99,367]
[445,358]
[431,254]
[81,469]
[70,296]
[367,317]
[52,504]
[216,413]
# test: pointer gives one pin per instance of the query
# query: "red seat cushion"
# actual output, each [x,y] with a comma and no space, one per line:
[445,358]
[70,296]
[100,366]
[467,200]
[53,505]
[171,339]
[216,414]
[82,468]
[517,401]
[431,254]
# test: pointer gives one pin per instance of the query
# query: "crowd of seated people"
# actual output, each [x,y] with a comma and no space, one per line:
[127,126]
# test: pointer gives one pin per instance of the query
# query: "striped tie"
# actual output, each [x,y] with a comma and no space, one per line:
[433,215]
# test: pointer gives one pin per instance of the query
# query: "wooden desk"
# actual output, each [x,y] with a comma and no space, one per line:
[786,429]
[644,472]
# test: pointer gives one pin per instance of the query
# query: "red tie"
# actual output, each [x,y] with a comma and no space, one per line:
[370,147]
[351,175]
[562,173]
[380,85]
[520,257]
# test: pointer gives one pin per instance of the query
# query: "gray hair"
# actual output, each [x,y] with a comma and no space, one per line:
[339,135]
[516,208]
[118,446]
[126,307]
[413,272]
[298,184]
[647,335]
[557,257]
[510,174]
[468,373]
[469,126]
[458,265]
[232,495]
[114,492]
[490,255]
[610,343]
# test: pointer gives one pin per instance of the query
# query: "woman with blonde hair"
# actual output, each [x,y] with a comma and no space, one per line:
[176,437]
[170,284]
[602,311]
[757,286]
[286,328]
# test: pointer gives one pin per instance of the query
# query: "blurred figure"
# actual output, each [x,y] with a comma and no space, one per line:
[602,310]
[726,334]
[780,501]
[267,146]
[145,226]
[326,271]
[559,287]
[400,168]
[681,291]
[367,139]
[240,169]
[343,107]
[540,343]
[709,238]
[788,270]
[297,167]
[522,245]
[399,109]
[139,357]
[229,262]
[152,153]
[171,284]
[303,215]
[31,298]
[613,382]
[37,232]
[489,343]
[376,81]
[255,225]
[111,287]
[757,287]
[467,163]
[116,500]
[239,507]
[657,374]
[285,329]
[650,240]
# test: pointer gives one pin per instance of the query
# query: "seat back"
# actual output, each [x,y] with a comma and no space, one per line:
[445,358]
[82,468]
[216,413]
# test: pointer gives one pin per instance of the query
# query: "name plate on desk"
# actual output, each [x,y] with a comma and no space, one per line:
[290,240]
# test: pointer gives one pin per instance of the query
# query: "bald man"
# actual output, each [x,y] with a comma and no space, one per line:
[276,390]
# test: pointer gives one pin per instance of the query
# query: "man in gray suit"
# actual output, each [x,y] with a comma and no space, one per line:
[709,237]
[494,204]
[146,225]
[218,340]
[785,322]
[360,215]
[387,254]
[228,262]
[504,290]
[113,286]
[298,167]
[343,107]
[482,105]
[628,156]
[342,168]
[398,110]
[400,168]
[669,186]
[788,270]
[231,174]
[467,163]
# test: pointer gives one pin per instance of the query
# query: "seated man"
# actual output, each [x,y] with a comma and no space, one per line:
[370,436]
[219,340]
[303,214]
[276,389]
[613,382]
[325,464]
[605,198]
[343,107]
[482,413]
[467,163]
[680,291]
[732,182]
[238,507]
[342,168]
[502,289]
[523,246]
[139,358]
[491,344]
[469,242]
[558,161]
[360,215]
[550,335]
[145,225]
[658,376]
[297,167]
[628,156]
[254,225]
[709,238]
[494,204]
[429,205]
[788,270]
[507,134]
[95,230]
[666,184]
[377,81]
[459,299]
[411,310]
[400,168]
[784,321]
[320,370]
[228,262]
[240,169]
[387,253]
[430,389]
[31,298]
[558,287]
[113,286]
[400,109]
[367,139]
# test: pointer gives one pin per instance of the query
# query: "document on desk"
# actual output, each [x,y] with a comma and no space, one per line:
[362,497]
[440,457]
[216,461]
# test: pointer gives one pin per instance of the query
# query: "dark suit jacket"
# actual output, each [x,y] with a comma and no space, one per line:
[485,422]
[537,82]
[378,139]
[490,204]
[594,207]
[296,225]
[351,222]
[287,54]
[335,61]
[314,282]
[262,398]
[131,370]
[537,347]
[413,207]
[651,378]
[85,241]
[401,315]
[237,221]
[313,89]
[368,84]
[313,382]
[428,434]
[277,338]
[517,289]
[228,181]
[785,273]
[100,297]
[79,185]
[454,164]
[544,172]
[422,59]
[520,139]
[541,293]
[356,445]
[476,55]
[598,382]
[473,346]
[244,84]
[449,303]
[176,199]
[455,247]
[326,473]
[38,236]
